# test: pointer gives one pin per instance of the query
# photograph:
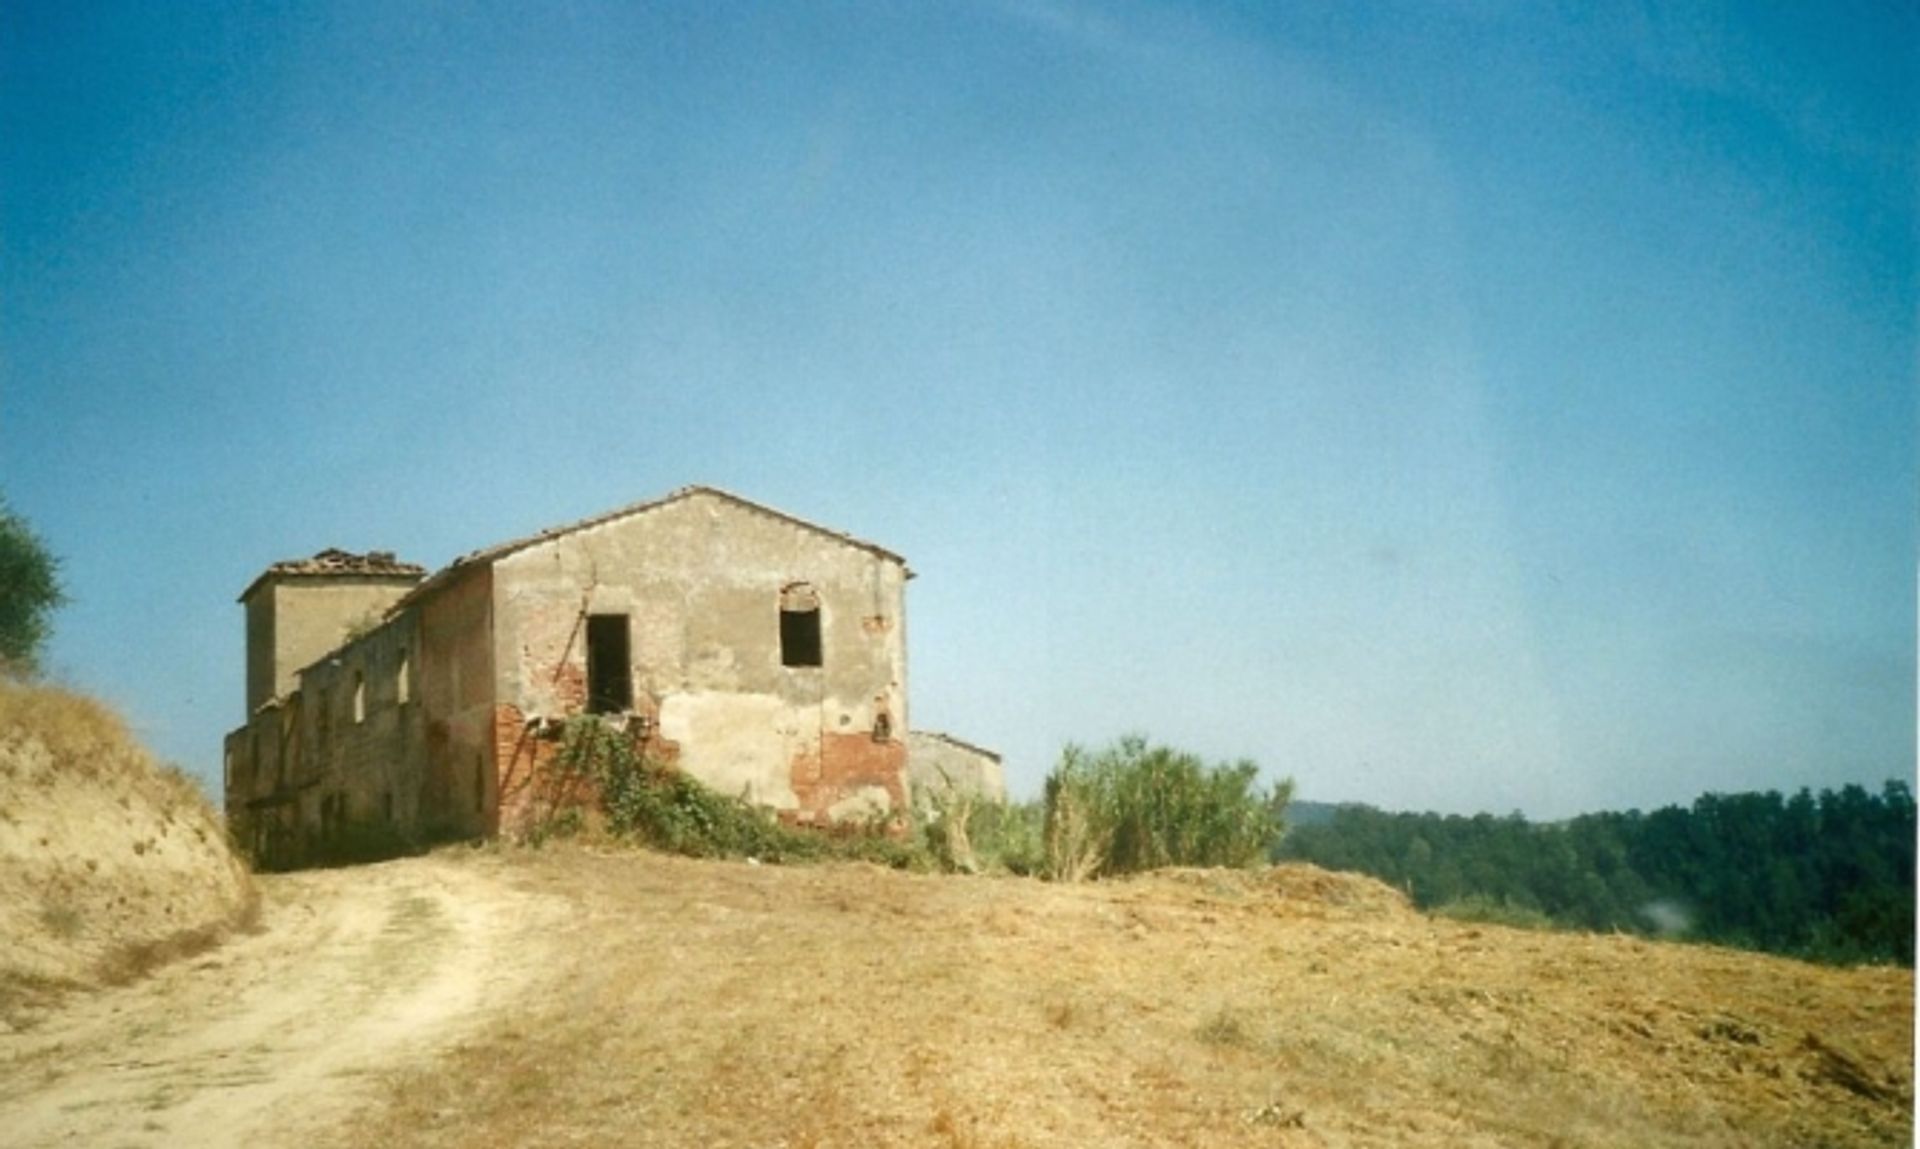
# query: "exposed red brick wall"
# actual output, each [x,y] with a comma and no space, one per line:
[520,757]
[531,786]
[845,764]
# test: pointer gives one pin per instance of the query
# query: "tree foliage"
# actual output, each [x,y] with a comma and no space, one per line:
[29,592]
[1827,876]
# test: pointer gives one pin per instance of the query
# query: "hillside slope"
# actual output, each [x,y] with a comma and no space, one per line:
[500,997]
[713,1004]
[109,861]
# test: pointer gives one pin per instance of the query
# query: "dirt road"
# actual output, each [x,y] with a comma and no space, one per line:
[276,1034]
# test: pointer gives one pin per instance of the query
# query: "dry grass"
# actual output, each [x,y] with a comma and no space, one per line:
[722,1004]
[110,862]
[82,733]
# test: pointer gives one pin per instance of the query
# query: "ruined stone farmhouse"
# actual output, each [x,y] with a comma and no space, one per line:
[761,653]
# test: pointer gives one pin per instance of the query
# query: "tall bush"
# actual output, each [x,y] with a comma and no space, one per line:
[1134,806]
[969,834]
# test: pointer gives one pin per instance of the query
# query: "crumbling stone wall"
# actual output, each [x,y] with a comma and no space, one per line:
[363,737]
[337,765]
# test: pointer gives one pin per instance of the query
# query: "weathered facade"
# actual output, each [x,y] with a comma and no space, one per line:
[762,654]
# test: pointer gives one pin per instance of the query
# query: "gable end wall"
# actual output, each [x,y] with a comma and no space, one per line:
[699,581]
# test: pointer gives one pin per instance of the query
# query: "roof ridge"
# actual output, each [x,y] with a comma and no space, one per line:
[501,550]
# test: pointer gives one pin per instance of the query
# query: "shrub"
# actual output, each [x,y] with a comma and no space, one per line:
[1135,806]
[962,832]
[1010,836]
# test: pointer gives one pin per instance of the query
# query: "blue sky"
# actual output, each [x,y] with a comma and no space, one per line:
[1456,406]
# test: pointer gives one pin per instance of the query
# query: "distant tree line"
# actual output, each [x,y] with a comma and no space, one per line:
[1827,876]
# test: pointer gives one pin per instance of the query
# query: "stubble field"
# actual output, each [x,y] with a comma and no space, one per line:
[574,996]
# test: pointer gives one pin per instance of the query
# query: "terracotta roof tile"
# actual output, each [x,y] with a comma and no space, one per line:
[334,561]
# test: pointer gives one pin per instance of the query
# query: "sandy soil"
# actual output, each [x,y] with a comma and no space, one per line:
[273,1036]
[110,861]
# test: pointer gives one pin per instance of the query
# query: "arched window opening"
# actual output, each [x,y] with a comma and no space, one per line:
[799,626]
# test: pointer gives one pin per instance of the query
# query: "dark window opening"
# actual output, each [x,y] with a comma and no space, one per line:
[799,625]
[609,670]
[800,637]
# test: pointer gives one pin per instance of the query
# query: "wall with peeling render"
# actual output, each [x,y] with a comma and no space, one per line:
[700,580]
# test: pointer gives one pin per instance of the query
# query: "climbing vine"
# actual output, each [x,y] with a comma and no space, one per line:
[654,803]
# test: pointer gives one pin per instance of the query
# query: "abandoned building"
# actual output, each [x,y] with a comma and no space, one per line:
[762,654]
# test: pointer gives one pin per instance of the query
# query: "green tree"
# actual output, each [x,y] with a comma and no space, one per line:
[29,592]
